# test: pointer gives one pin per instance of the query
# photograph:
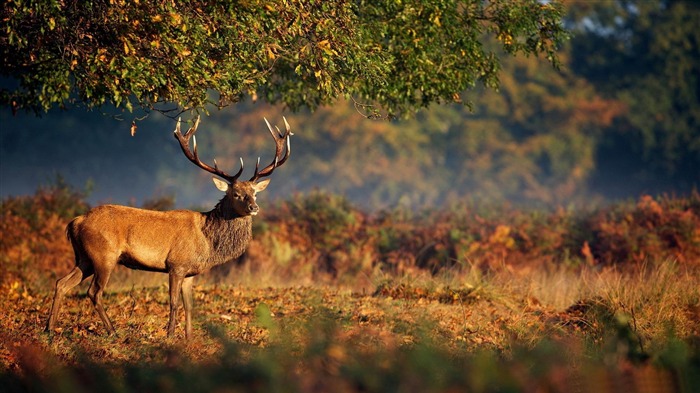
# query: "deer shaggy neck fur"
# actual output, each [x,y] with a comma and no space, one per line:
[229,234]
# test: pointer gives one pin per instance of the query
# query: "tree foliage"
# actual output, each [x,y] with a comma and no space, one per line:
[645,55]
[616,120]
[139,54]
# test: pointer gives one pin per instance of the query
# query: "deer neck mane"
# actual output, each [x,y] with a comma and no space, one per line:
[229,233]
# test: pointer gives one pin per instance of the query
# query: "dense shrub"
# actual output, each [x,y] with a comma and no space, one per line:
[33,245]
[401,241]
[325,231]
[652,228]
[324,237]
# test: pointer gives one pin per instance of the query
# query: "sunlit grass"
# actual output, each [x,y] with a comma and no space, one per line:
[558,328]
[371,307]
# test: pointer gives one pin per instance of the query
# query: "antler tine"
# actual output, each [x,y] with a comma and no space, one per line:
[257,165]
[287,134]
[240,170]
[280,141]
[193,155]
[194,127]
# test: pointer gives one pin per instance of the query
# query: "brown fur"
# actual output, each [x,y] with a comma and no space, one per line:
[229,238]
[181,243]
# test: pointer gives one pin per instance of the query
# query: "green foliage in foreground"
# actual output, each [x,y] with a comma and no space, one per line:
[326,364]
[401,55]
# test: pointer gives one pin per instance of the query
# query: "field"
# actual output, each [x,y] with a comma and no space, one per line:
[338,300]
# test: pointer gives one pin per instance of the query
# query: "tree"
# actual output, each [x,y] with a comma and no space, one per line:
[167,55]
[645,54]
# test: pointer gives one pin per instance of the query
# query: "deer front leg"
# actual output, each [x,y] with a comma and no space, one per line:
[175,288]
[188,301]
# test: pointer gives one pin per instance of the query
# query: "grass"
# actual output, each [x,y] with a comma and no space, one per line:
[555,328]
[330,298]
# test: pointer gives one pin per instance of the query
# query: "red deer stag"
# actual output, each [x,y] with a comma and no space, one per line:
[181,243]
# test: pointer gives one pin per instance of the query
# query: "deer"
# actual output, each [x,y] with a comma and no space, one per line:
[180,243]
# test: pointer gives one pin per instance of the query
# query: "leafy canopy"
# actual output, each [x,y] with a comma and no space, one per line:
[396,55]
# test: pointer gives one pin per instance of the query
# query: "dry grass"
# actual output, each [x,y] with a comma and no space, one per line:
[659,298]
[561,318]
[333,299]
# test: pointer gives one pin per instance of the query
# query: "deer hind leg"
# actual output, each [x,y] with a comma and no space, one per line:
[175,288]
[188,302]
[80,272]
[99,282]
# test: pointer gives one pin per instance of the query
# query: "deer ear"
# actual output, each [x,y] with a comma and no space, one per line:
[220,184]
[261,185]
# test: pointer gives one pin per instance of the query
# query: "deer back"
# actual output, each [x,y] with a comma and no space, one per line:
[142,239]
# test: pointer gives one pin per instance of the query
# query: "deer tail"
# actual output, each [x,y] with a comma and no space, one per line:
[72,234]
[72,228]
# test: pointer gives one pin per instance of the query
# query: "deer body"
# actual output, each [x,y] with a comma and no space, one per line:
[182,240]
[181,243]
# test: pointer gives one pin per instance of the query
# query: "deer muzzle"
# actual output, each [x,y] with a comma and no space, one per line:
[253,209]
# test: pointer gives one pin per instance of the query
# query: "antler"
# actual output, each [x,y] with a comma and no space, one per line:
[280,140]
[194,157]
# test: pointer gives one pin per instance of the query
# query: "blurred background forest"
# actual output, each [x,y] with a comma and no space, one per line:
[619,119]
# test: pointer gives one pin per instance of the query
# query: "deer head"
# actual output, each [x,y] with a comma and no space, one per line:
[240,195]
